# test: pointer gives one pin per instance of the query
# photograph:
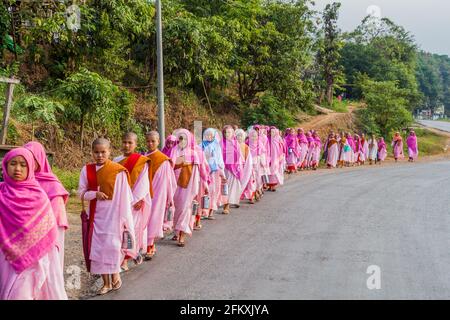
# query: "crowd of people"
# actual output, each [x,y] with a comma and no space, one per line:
[131,201]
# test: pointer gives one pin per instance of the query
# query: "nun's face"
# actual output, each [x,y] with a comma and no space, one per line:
[240,137]
[182,141]
[229,133]
[209,136]
[17,168]
[253,136]
[273,133]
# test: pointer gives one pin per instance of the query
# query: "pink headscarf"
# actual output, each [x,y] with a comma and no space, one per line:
[358,144]
[381,144]
[351,142]
[301,136]
[291,141]
[45,176]
[317,139]
[170,150]
[190,152]
[412,141]
[231,152]
[255,146]
[276,149]
[28,226]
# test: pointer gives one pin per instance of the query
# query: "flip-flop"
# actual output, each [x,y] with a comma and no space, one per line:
[103,291]
[116,286]
[181,244]
[211,218]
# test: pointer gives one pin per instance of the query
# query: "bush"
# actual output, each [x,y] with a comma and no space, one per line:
[69,179]
[269,112]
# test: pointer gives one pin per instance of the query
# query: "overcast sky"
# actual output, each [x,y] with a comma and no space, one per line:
[427,20]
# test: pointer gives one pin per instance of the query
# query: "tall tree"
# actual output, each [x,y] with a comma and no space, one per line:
[329,53]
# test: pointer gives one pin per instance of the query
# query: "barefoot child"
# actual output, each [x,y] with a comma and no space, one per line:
[163,188]
[138,168]
[105,184]
[56,193]
[30,265]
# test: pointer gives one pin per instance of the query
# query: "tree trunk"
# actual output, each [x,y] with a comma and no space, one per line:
[81,131]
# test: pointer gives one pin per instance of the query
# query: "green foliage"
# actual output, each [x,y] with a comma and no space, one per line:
[429,142]
[386,109]
[329,52]
[382,51]
[69,179]
[32,108]
[92,99]
[269,111]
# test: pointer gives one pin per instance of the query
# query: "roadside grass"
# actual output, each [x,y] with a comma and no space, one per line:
[430,143]
[339,106]
[69,178]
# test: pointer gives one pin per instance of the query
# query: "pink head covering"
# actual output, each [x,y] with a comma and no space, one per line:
[255,146]
[170,146]
[381,144]
[276,149]
[45,176]
[231,153]
[301,136]
[190,152]
[412,141]
[291,142]
[317,139]
[27,224]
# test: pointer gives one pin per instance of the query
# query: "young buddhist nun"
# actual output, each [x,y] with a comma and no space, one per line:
[373,149]
[105,184]
[359,152]
[332,151]
[382,152]
[30,265]
[351,143]
[310,154]
[248,176]
[277,159]
[138,167]
[188,181]
[413,149]
[213,153]
[233,160]
[255,145]
[265,153]
[325,147]
[345,153]
[162,190]
[303,146]
[53,188]
[292,151]
[365,146]
[317,147]
[205,180]
[397,146]
[169,146]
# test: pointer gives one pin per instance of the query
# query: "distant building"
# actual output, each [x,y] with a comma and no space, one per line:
[429,114]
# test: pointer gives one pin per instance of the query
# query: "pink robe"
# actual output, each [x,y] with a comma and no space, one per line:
[277,163]
[164,186]
[43,281]
[183,199]
[59,208]
[398,149]
[332,155]
[413,150]
[141,191]
[248,177]
[112,217]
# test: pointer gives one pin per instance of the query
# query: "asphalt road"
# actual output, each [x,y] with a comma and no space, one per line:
[315,239]
[441,125]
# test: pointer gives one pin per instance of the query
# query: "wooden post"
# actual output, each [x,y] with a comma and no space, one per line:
[7,107]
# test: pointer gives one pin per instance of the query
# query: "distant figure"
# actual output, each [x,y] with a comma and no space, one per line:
[397,145]
[373,150]
[413,150]
[382,153]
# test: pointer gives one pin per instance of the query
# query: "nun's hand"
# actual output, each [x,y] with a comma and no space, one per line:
[180,160]
[139,205]
[101,196]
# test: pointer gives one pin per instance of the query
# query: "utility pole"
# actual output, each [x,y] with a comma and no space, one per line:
[160,75]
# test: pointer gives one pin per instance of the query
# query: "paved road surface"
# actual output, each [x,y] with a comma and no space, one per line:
[441,125]
[315,239]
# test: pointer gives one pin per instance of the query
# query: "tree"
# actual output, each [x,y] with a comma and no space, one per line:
[95,100]
[33,108]
[329,53]
[387,107]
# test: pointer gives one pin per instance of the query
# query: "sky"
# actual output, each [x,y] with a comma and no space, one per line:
[427,20]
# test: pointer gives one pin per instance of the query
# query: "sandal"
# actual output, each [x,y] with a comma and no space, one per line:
[198,227]
[104,290]
[116,286]
[124,269]
[175,238]
[211,217]
[138,260]
[180,244]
